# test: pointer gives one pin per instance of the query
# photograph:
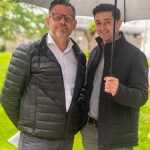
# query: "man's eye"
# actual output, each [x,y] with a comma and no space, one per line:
[98,23]
[68,18]
[58,17]
[107,22]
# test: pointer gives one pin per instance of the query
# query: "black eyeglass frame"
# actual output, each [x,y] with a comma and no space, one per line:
[71,17]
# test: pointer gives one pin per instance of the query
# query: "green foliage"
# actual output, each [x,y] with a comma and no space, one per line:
[149,63]
[21,18]
[87,54]
[92,28]
[7,128]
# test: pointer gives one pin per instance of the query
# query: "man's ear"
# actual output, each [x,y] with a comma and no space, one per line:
[47,21]
[120,22]
[75,23]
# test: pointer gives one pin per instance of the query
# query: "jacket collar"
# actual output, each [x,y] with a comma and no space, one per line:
[42,47]
[42,44]
[107,47]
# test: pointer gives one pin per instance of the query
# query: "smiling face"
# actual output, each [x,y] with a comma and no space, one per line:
[104,26]
[61,28]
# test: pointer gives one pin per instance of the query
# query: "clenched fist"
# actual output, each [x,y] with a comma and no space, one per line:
[111,85]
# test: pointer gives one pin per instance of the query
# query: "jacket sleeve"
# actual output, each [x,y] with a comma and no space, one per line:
[16,79]
[84,103]
[82,99]
[135,94]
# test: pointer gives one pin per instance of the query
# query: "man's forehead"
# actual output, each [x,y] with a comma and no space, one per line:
[104,16]
[104,19]
[104,13]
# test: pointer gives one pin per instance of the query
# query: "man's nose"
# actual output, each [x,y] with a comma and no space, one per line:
[103,26]
[63,20]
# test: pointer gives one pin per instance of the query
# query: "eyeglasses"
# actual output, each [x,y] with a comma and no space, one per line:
[58,17]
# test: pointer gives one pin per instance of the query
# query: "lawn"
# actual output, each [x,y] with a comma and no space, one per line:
[7,129]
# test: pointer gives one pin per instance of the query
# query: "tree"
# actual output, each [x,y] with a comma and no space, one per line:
[92,28]
[17,18]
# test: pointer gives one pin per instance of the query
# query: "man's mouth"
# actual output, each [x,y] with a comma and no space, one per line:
[104,32]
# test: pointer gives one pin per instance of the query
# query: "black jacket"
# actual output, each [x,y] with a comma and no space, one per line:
[118,115]
[33,93]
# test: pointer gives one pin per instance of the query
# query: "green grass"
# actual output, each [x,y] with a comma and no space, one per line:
[4,62]
[7,129]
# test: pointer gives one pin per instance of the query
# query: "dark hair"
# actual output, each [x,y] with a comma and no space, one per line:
[107,8]
[62,2]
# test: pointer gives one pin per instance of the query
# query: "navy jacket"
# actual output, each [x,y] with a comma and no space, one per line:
[118,115]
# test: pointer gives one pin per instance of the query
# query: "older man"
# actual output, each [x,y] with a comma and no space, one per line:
[43,83]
